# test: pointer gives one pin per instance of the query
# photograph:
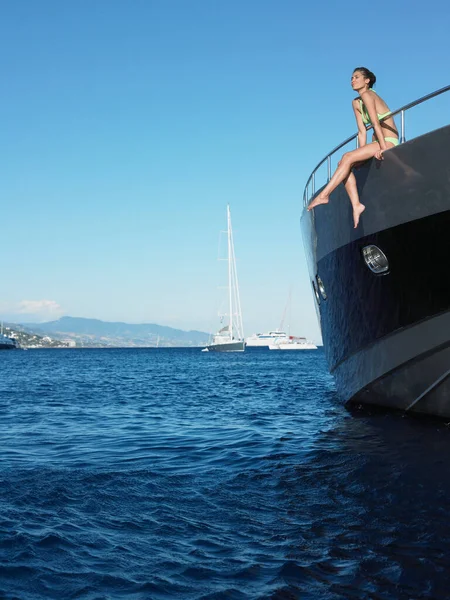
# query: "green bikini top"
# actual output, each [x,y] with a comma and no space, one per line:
[365,115]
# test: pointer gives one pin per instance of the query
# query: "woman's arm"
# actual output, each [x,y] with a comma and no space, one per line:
[362,131]
[369,102]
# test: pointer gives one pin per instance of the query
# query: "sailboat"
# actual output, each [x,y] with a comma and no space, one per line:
[230,338]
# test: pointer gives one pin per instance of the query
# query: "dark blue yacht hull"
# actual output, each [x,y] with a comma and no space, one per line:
[387,335]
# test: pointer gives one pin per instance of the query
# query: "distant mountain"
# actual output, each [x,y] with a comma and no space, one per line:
[93,332]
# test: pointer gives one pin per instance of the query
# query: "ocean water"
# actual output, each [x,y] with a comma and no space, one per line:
[171,473]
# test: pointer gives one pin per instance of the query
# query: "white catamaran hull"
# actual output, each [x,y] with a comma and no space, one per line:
[288,346]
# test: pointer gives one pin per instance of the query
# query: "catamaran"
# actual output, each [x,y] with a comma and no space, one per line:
[293,343]
[263,340]
[230,338]
[279,339]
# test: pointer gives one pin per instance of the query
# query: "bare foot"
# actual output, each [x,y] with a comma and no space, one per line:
[318,200]
[357,212]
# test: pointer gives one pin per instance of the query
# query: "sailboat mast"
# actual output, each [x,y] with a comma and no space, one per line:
[290,311]
[237,300]
[230,274]
[288,306]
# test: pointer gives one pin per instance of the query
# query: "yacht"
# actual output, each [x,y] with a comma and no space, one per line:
[264,340]
[381,290]
[7,343]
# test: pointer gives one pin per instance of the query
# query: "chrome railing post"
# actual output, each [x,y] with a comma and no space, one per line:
[329,167]
[313,183]
[402,137]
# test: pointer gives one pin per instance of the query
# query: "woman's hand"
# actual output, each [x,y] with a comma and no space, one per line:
[379,154]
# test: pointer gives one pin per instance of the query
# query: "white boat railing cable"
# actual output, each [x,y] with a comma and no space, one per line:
[311,180]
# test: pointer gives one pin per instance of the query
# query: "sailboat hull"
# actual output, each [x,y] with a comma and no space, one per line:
[227,347]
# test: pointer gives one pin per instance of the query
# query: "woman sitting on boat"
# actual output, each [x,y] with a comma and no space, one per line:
[369,108]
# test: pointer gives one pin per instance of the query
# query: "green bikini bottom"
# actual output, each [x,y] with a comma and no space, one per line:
[393,140]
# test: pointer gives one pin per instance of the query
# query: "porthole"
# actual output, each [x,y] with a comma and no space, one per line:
[316,291]
[375,259]
[321,287]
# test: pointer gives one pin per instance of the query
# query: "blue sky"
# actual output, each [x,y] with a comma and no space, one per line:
[127,127]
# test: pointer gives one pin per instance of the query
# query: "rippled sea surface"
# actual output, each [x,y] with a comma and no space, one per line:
[171,473]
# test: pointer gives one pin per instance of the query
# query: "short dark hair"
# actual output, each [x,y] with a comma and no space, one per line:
[367,75]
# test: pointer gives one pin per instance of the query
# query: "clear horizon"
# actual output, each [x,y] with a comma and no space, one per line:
[128,128]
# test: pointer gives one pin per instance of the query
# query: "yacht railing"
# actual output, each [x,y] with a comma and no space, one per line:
[310,187]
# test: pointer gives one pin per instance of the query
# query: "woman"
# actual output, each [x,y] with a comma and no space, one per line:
[369,108]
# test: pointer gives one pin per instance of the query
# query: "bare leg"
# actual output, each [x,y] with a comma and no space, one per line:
[343,171]
[352,191]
